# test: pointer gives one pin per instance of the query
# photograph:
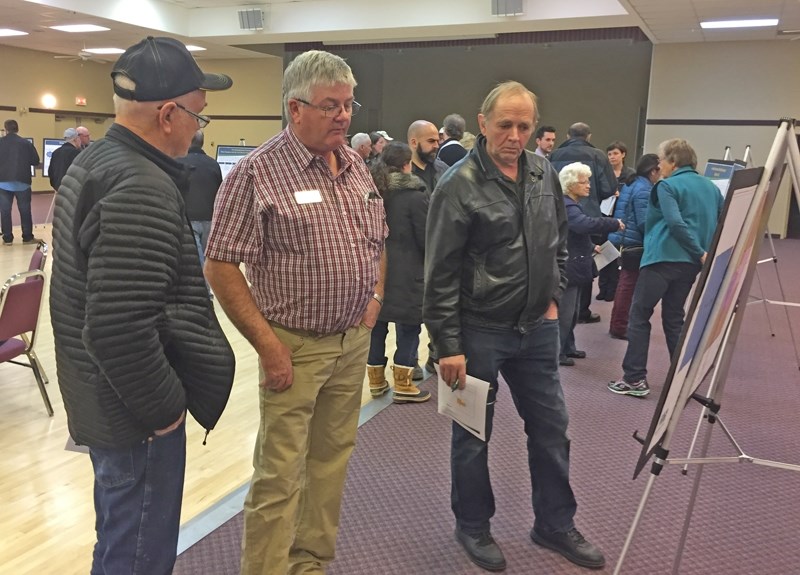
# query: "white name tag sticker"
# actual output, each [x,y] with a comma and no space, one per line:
[308,197]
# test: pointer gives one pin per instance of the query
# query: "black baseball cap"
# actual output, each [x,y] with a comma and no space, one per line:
[162,68]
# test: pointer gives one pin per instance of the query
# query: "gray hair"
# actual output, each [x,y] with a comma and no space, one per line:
[570,174]
[454,126]
[360,139]
[310,70]
[679,152]
[503,89]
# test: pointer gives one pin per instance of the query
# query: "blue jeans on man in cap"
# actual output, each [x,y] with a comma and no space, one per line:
[528,363]
[137,499]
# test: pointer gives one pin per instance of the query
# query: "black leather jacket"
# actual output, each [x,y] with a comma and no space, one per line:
[492,259]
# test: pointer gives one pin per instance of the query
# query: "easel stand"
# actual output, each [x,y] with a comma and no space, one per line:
[712,401]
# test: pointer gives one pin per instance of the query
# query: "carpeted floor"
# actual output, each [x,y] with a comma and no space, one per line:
[396,517]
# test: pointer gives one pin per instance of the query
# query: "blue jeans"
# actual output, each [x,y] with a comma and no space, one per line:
[25,218]
[669,283]
[407,344]
[201,230]
[529,364]
[137,500]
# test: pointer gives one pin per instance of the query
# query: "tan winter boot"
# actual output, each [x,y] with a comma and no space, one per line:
[377,380]
[404,390]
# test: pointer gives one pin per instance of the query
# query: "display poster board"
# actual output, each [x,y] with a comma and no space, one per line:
[732,255]
[49,145]
[721,171]
[229,156]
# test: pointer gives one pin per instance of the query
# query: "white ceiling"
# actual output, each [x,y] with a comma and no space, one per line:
[213,24]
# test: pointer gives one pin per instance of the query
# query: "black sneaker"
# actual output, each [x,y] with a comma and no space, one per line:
[577,354]
[564,360]
[482,550]
[417,374]
[429,365]
[32,240]
[572,546]
[591,318]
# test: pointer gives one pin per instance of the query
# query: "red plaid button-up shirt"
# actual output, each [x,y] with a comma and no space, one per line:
[312,265]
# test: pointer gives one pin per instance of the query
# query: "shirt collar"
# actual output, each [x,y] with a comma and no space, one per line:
[305,158]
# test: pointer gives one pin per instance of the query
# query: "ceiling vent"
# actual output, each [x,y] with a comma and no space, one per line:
[251,19]
[507,7]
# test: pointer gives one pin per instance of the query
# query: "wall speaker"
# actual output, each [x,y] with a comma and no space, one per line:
[507,7]
[251,19]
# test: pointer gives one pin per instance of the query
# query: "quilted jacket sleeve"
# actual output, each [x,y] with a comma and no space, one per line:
[132,256]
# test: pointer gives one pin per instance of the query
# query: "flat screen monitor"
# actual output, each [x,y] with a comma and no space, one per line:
[229,156]
[49,145]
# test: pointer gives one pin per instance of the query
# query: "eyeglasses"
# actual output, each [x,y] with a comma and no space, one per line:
[351,108]
[202,121]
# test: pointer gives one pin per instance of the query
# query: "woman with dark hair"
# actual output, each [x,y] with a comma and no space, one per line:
[631,208]
[609,275]
[378,142]
[405,200]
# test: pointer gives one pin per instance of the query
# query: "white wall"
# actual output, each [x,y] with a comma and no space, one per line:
[725,81]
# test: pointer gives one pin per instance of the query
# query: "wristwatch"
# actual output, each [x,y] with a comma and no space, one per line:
[377,298]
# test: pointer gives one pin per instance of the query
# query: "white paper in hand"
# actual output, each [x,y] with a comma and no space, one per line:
[467,406]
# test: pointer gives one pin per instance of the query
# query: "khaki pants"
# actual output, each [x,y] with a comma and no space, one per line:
[306,436]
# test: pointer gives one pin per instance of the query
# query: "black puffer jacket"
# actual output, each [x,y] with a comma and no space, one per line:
[406,205]
[136,338]
[490,258]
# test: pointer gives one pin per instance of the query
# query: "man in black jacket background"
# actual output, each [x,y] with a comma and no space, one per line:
[205,177]
[17,156]
[495,256]
[136,339]
[63,157]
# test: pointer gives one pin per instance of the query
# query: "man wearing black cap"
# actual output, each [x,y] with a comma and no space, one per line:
[63,157]
[137,342]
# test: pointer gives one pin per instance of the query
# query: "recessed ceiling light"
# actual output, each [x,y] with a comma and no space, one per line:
[740,23]
[10,32]
[104,50]
[192,48]
[80,28]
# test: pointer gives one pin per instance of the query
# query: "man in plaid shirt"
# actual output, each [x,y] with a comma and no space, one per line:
[303,214]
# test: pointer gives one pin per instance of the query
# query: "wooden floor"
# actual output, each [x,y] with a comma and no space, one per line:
[46,512]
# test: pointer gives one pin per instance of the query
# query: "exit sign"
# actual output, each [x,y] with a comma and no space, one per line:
[80,101]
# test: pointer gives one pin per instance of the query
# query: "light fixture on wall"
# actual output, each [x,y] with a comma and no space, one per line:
[49,101]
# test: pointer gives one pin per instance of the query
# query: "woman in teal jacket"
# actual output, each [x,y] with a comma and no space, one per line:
[681,219]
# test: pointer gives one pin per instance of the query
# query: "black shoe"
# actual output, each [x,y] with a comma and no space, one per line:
[564,360]
[482,550]
[417,374]
[429,365]
[591,318]
[572,546]
[617,336]
[577,354]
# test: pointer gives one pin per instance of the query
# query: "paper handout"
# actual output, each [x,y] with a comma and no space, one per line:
[467,406]
[608,253]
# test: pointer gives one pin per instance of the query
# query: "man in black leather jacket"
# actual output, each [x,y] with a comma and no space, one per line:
[494,272]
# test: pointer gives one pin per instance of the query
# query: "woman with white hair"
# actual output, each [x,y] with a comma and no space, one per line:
[575,184]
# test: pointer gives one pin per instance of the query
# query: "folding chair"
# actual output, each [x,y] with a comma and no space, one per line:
[20,303]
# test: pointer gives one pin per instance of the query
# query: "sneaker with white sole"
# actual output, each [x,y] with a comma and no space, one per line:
[636,389]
